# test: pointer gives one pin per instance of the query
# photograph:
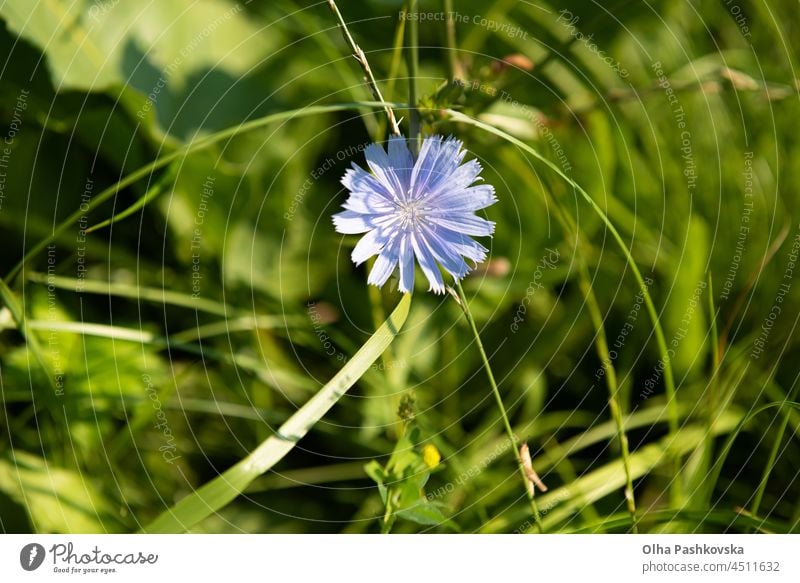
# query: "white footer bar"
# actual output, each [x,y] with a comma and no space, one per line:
[401,558]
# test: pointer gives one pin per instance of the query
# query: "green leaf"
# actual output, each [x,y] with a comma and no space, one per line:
[426,514]
[374,470]
[217,493]
[82,40]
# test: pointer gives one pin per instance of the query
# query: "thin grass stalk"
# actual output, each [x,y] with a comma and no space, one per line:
[499,399]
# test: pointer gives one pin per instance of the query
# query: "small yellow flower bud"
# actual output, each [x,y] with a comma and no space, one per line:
[431,455]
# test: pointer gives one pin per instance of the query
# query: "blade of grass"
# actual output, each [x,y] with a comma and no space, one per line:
[160,185]
[397,53]
[244,324]
[139,293]
[223,489]
[18,314]
[501,407]
[774,451]
[453,64]
[716,469]
[698,484]
[277,378]
[722,519]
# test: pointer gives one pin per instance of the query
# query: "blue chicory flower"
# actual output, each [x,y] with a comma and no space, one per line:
[423,209]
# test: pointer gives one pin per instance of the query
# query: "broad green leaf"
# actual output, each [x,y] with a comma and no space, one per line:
[217,493]
[93,45]
[684,316]
[167,297]
[423,513]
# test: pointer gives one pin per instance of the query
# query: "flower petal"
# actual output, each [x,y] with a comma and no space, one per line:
[460,178]
[462,244]
[401,161]
[406,259]
[469,199]
[380,165]
[385,263]
[353,223]
[425,165]
[428,265]
[358,180]
[370,244]
[465,223]
[368,203]
[445,254]
[417,211]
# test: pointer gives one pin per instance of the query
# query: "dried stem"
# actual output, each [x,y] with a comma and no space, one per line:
[362,60]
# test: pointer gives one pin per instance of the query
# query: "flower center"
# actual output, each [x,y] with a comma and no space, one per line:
[411,214]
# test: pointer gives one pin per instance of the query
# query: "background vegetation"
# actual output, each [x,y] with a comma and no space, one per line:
[144,352]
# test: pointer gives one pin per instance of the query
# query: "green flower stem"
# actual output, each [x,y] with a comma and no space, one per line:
[413,72]
[503,414]
[397,54]
[454,67]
